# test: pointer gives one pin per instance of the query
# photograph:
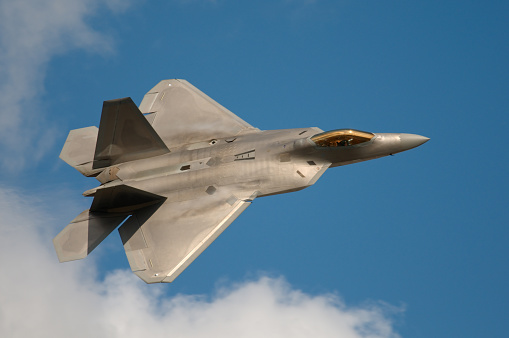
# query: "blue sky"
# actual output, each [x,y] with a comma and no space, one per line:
[412,245]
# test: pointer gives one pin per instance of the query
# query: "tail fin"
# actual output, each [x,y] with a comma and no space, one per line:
[125,135]
[123,199]
[109,209]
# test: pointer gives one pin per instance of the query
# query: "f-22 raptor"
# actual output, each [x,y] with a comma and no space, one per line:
[176,171]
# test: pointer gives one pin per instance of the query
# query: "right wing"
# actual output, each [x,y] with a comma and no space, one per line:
[161,241]
[182,114]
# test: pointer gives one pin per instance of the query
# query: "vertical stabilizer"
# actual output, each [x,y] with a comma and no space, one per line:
[125,135]
[109,208]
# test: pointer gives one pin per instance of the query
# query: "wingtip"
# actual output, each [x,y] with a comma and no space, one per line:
[150,277]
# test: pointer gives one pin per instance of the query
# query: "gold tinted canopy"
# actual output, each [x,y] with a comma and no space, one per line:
[341,138]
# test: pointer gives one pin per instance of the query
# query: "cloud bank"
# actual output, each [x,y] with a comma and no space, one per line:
[41,298]
[31,33]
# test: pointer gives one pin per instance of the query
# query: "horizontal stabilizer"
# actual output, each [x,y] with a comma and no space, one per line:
[78,150]
[84,234]
[125,135]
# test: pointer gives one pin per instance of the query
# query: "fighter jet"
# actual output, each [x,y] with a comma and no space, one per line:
[176,171]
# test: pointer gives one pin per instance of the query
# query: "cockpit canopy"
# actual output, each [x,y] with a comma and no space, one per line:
[341,138]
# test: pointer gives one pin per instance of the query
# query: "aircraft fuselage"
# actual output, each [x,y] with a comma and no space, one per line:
[179,168]
[270,162]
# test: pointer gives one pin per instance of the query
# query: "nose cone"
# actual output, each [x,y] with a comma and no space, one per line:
[409,141]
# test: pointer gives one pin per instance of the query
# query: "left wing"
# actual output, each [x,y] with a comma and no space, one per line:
[182,114]
[162,240]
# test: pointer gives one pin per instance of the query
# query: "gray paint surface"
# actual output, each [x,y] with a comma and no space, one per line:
[182,168]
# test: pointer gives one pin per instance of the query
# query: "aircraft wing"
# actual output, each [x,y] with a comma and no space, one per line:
[182,114]
[162,240]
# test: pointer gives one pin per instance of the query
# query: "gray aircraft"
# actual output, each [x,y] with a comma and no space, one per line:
[178,170]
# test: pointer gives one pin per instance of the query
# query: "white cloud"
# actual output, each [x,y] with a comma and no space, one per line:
[31,33]
[41,298]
